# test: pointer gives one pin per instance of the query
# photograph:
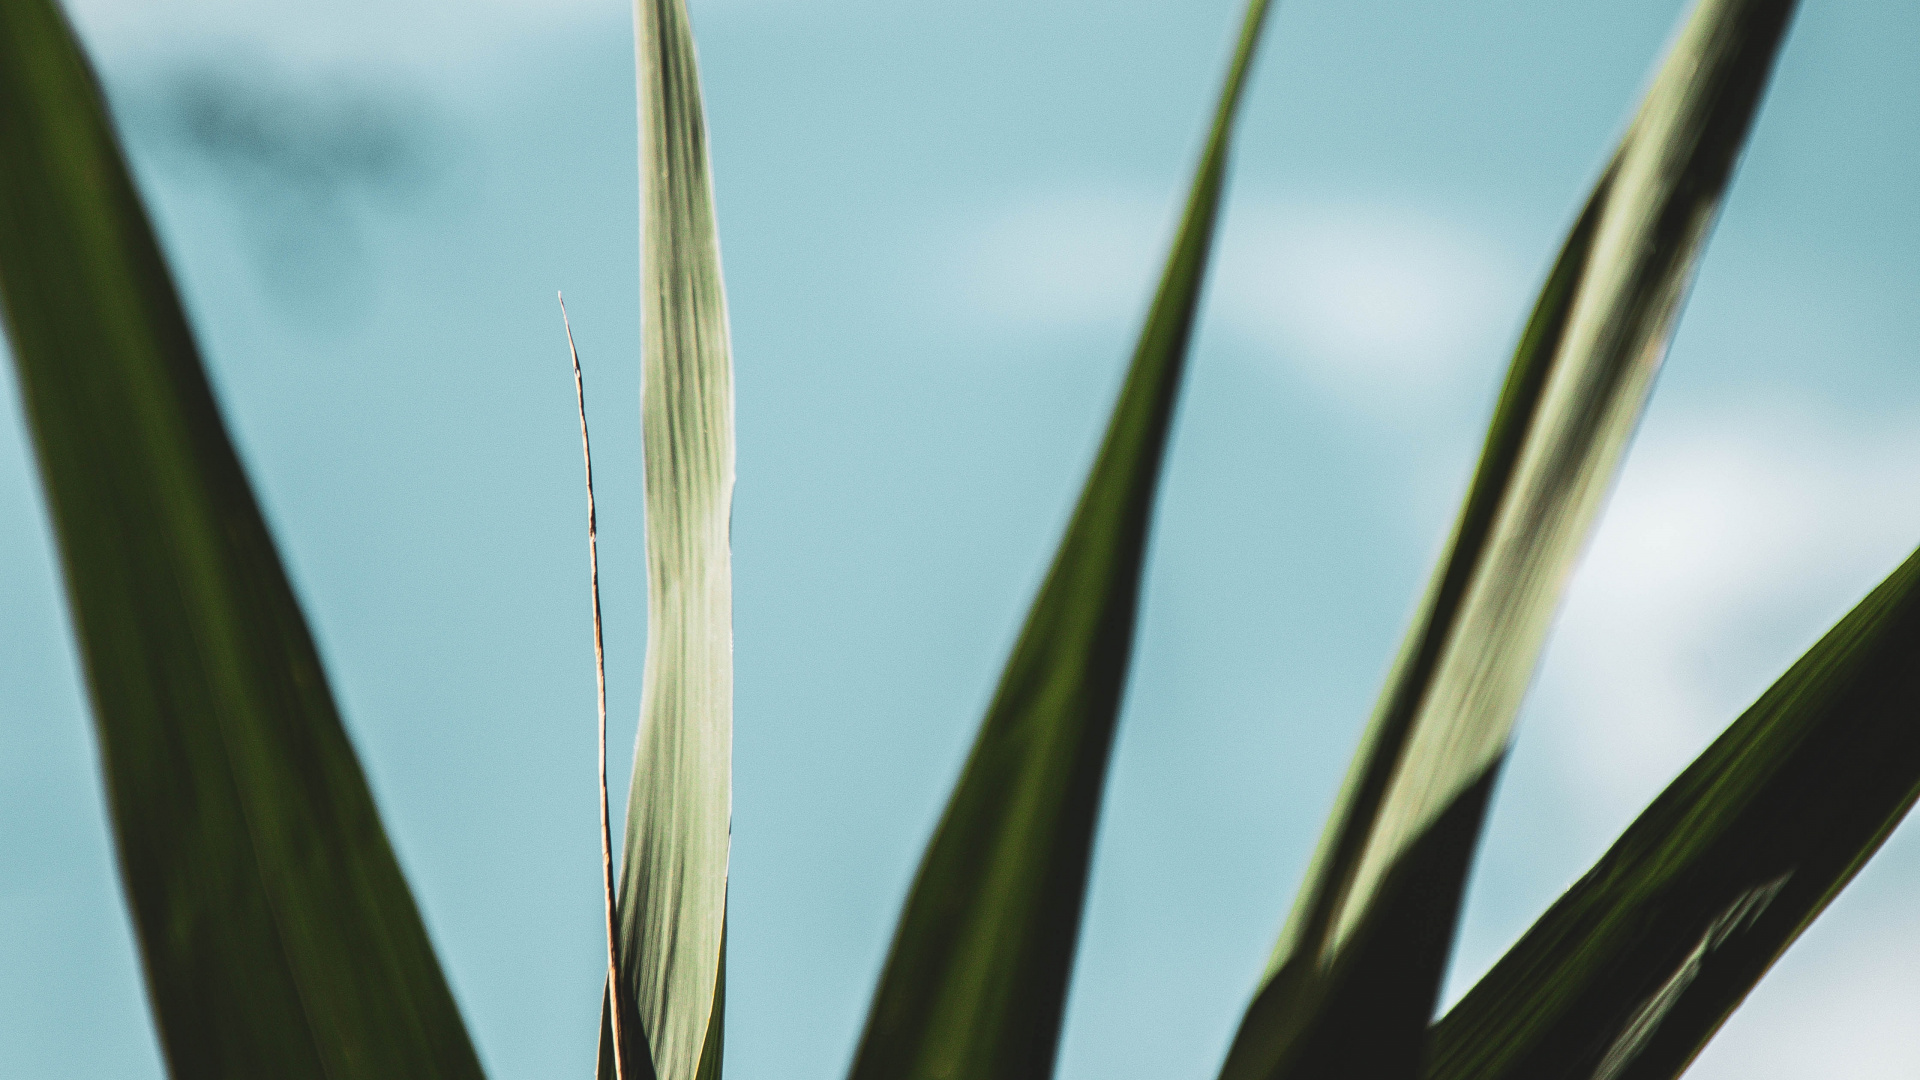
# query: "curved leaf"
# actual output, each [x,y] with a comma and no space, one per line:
[1352,982]
[673,900]
[276,931]
[975,982]
[1630,973]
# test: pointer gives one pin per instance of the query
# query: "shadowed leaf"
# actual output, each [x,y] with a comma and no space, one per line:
[1630,973]
[673,899]
[277,934]
[1352,982]
[976,979]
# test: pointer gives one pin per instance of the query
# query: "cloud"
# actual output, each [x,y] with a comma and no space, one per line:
[1841,1003]
[1730,546]
[1736,538]
[1066,259]
[1368,300]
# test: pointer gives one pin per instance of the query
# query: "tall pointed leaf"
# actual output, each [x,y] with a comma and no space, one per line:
[977,976]
[673,901]
[277,935]
[1630,973]
[1353,979]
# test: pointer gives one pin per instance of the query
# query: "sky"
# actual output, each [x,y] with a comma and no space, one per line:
[940,224]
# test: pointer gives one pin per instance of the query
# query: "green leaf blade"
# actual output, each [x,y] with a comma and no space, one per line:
[277,934]
[975,982]
[673,897]
[1629,973]
[1353,979]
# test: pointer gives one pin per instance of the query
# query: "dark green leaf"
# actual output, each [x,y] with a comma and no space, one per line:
[1630,973]
[975,982]
[1352,982]
[278,936]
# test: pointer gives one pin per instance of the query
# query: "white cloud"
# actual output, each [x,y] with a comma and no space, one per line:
[1067,259]
[1728,548]
[1733,542]
[1370,301]
[1842,1003]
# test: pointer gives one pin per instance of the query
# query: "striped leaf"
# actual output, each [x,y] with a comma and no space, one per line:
[1352,982]
[975,982]
[1630,973]
[277,935]
[673,897]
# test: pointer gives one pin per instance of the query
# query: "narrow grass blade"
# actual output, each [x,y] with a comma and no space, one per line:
[1353,979]
[610,900]
[673,900]
[975,982]
[277,934]
[1630,973]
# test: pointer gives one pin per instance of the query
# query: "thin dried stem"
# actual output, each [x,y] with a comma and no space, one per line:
[600,682]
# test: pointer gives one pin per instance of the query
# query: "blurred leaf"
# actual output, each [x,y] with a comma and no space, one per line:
[975,982]
[1352,982]
[673,901]
[1630,973]
[278,936]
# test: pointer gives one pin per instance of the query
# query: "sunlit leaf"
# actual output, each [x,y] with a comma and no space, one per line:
[1630,973]
[277,934]
[977,976]
[1352,982]
[673,898]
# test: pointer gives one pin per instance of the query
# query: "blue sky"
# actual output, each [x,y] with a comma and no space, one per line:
[940,223]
